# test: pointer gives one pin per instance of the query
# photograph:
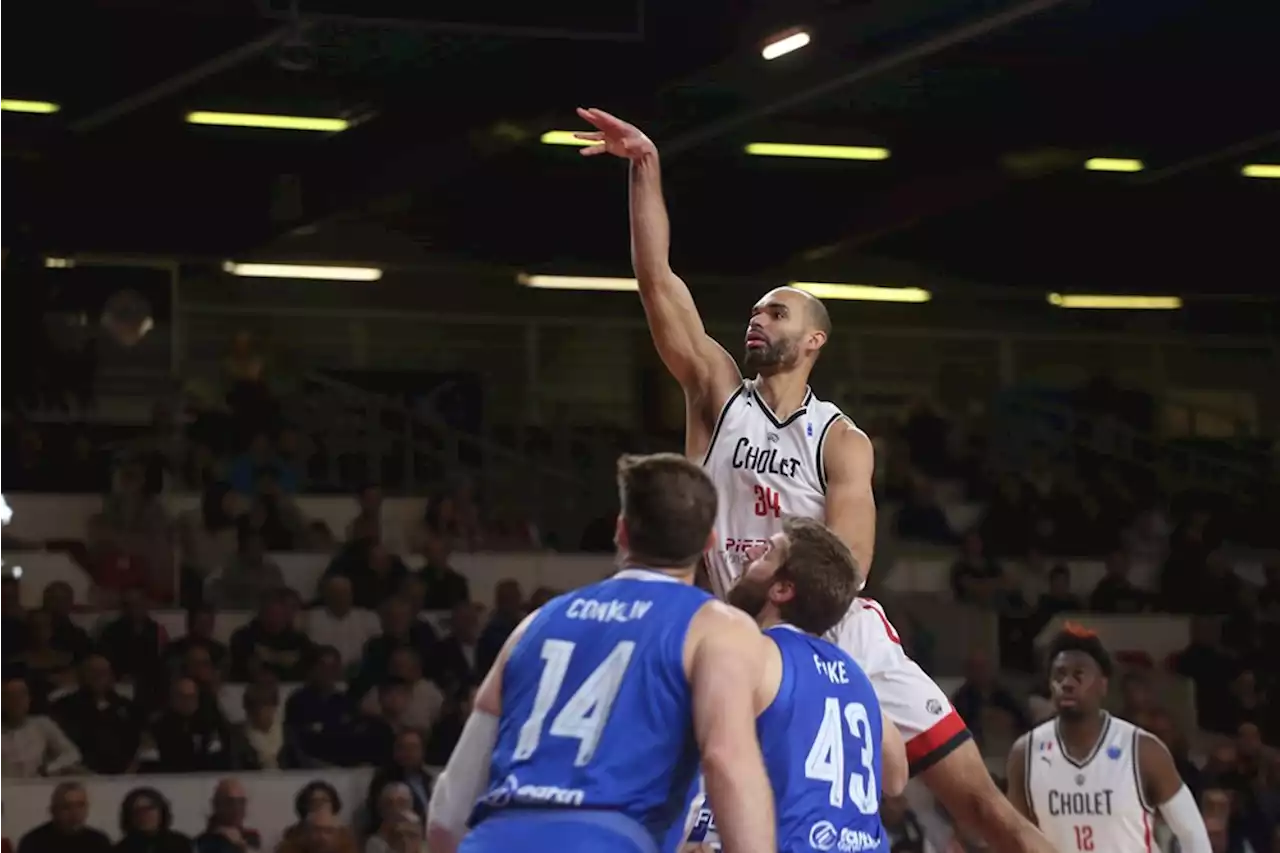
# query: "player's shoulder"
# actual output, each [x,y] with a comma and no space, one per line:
[714,613]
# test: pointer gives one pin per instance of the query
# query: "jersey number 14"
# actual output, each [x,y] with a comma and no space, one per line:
[826,757]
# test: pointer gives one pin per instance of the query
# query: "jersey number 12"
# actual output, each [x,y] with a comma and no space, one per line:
[826,757]
[583,717]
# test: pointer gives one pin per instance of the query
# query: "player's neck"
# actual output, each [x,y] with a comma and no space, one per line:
[783,392]
[1080,735]
[683,574]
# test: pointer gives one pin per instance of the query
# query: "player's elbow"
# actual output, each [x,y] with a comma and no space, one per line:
[440,840]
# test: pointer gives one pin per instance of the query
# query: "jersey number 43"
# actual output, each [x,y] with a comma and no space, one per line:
[826,760]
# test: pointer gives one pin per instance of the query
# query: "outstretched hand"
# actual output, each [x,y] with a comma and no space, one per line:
[613,135]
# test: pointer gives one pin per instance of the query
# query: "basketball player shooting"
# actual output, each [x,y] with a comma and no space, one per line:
[773,449]
[1091,781]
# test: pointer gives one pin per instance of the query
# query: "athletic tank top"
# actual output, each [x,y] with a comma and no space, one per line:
[821,739]
[1092,805]
[764,468]
[596,707]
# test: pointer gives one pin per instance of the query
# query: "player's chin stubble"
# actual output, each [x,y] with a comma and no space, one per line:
[748,597]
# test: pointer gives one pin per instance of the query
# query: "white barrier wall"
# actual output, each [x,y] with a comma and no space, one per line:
[270,795]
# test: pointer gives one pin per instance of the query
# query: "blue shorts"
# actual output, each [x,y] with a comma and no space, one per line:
[558,831]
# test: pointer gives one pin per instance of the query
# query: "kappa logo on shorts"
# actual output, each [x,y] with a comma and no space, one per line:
[933,706]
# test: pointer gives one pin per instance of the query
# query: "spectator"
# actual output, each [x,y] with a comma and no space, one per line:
[405,767]
[338,623]
[208,538]
[448,729]
[320,833]
[105,726]
[201,622]
[261,456]
[259,740]
[1059,598]
[67,832]
[318,716]
[198,666]
[270,638]
[59,602]
[1115,593]
[135,643]
[456,655]
[131,540]
[393,801]
[425,699]
[45,667]
[981,694]
[402,833]
[226,832]
[446,588]
[33,745]
[375,573]
[920,517]
[317,796]
[368,523]
[399,628]
[508,610]
[1209,667]
[975,577]
[248,578]
[374,735]
[186,738]
[146,824]
[274,514]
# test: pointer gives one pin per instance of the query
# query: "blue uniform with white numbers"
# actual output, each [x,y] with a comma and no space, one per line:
[595,748]
[821,742]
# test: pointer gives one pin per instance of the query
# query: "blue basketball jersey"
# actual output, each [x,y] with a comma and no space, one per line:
[595,747]
[821,740]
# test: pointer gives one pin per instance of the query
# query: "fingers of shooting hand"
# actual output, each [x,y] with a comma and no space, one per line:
[592,135]
[592,150]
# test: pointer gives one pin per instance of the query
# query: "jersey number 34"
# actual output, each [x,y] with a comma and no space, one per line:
[825,762]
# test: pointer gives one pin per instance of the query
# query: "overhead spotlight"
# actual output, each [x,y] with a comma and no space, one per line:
[784,43]
[268,122]
[59,263]
[1115,301]
[818,152]
[1261,170]
[577,282]
[564,137]
[862,292]
[1113,164]
[11,105]
[321,273]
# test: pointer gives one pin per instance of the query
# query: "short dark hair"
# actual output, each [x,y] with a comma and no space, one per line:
[1077,638]
[668,506]
[824,572]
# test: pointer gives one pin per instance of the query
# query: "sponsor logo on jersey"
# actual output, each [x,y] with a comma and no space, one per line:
[1114,752]
[511,792]
[933,706]
[763,460]
[823,836]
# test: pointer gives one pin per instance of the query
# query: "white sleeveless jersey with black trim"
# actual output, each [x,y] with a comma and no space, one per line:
[764,469]
[1092,805]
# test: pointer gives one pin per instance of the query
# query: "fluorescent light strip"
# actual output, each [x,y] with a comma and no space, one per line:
[819,152]
[785,45]
[565,137]
[269,122]
[862,292]
[1113,164]
[58,263]
[1261,170]
[252,270]
[1115,302]
[577,282]
[15,106]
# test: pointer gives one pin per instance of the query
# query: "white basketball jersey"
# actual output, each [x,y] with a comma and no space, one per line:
[1092,805]
[764,469]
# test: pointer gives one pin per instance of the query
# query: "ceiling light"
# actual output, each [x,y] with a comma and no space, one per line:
[862,292]
[782,45]
[58,263]
[1261,170]
[14,106]
[1113,164]
[269,122]
[1113,301]
[820,152]
[303,271]
[577,282]
[564,137]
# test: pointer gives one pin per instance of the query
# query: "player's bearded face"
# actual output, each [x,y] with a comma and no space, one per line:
[775,352]
[751,593]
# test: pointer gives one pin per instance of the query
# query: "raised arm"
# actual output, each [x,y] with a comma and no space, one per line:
[701,366]
[849,461]
[724,656]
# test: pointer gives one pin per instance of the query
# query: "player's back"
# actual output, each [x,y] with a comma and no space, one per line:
[595,747]
[821,739]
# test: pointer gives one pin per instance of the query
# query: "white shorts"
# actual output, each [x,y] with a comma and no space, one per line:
[923,714]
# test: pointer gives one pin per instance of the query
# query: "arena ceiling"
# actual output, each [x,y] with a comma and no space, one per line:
[989,109]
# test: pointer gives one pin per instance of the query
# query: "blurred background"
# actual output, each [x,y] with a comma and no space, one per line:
[321,350]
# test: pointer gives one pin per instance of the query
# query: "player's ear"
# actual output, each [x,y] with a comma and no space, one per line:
[818,339]
[781,592]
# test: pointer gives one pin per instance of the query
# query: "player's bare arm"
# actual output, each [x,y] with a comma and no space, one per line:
[1164,790]
[706,372]
[724,653]
[894,769]
[963,785]
[849,461]
[1016,772]
[464,778]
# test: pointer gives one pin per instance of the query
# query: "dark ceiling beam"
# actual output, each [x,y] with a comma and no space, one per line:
[1200,161]
[465,29]
[915,53]
[177,83]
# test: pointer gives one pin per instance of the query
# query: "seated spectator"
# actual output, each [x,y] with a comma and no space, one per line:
[1115,593]
[135,644]
[318,717]
[425,699]
[373,736]
[393,801]
[59,602]
[261,456]
[249,578]
[321,832]
[399,628]
[1138,701]
[105,726]
[186,738]
[456,653]
[201,621]
[446,588]
[273,640]
[404,766]
[368,523]
[44,667]
[981,694]
[317,796]
[402,833]
[130,543]
[198,666]
[146,825]
[448,729]
[920,518]
[975,577]
[67,832]
[274,514]
[259,740]
[208,538]
[33,745]
[226,832]
[508,610]
[375,573]
[337,623]
[1058,599]
[1206,663]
